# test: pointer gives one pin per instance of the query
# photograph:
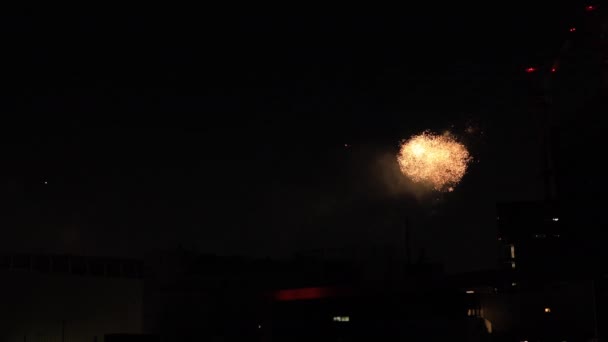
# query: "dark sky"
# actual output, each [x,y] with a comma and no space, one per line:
[226,132]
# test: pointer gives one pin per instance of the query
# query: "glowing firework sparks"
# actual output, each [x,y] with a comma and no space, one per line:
[439,160]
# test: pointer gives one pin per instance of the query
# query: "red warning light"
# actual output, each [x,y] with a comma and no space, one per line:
[554,69]
[308,293]
[590,8]
[573,29]
[530,70]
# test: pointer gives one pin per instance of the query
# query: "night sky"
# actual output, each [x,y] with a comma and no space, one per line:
[262,134]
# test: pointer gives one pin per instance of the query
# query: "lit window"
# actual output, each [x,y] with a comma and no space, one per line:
[512,251]
[473,312]
[555,219]
[547,310]
[341,319]
[512,264]
[470,291]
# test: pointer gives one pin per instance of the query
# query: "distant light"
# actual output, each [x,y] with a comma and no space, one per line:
[530,70]
[512,264]
[341,319]
[513,284]
[512,251]
[573,29]
[46,183]
[547,310]
[346,145]
[259,326]
[590,8]
[555,219]
[470,291]
[553,69]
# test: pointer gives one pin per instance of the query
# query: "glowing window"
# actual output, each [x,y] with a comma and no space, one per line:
[512,248]
[512,264]
[470,291]
[341,319]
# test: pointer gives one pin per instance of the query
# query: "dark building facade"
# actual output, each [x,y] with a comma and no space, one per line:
[189,297]
[533,237]
[552,283]
[69,298]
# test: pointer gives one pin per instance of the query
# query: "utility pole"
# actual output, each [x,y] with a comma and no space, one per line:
[595,327]
[408,248]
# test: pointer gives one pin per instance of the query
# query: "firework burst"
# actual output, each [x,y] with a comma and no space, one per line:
[438,160]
